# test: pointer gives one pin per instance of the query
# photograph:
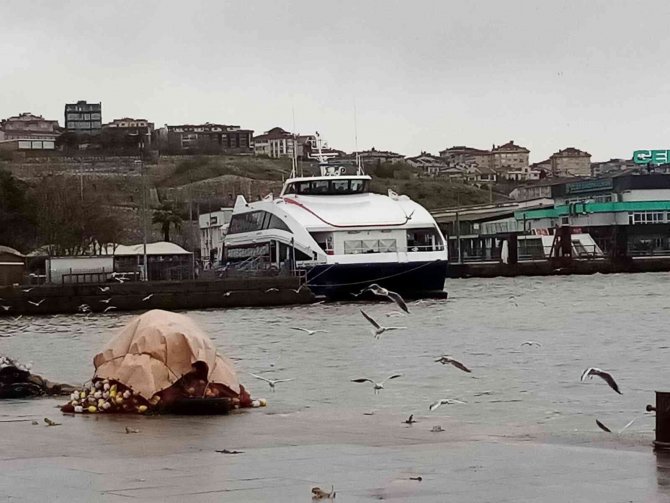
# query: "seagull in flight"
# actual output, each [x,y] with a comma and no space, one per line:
[376,385]
[308,331]
[383,292]
[443,401]
[104,289]
[378,330]
[531,343]
[108,308]
[227,294]
[444,359]
[393,314]
[410,420]
[27,290]
[605,428]
[147,297]
[106,301]
[592,371]
[6,308]
[17,318]
[271,290]
[271,382]
[36,304]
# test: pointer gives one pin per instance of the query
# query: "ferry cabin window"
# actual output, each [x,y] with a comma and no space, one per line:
[424,240]
[255,221]
[330,187]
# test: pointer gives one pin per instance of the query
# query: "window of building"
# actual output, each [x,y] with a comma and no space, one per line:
[357,246]
[646,217]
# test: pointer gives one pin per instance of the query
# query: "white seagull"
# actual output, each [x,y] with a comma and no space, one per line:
[104,289]
[227,294]
[36,304]
[147,297]
[592,371]
[443,401]
[27,290]
[108,308]
[272,290]
[6,308]
[378,330]
[271,382]
[531,343]
[105,301]
[376,385]
[383,292]
[444,359]
[308,331]
[605,428]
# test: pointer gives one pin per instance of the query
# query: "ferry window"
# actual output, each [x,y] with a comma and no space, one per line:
[357,186]
[290,189]
[340,186]
[303,188]
[255,221]
[423,240]
[320,187]
[278,223]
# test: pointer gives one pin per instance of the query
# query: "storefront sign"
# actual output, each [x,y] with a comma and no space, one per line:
[651,156]
[588,186]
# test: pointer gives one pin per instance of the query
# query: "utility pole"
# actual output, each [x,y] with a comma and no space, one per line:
[145,267]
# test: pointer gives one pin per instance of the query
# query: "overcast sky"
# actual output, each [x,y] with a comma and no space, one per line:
[422,75]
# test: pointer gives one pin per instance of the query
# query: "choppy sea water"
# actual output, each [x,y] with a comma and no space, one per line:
[616,322]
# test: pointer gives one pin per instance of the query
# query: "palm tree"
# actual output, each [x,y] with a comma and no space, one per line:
[166,216]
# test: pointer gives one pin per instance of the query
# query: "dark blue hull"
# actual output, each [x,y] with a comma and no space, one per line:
[411,279]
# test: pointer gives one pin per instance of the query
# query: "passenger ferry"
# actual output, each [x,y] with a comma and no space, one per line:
[342,235]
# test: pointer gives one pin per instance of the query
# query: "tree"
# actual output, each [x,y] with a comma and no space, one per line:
[166,216]
[17,213]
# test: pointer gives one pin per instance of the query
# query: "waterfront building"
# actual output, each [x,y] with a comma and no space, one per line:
[627,214]
[213,227]
[571,162]
[27,126]
[277,143]
[209,139]
[12,266]
[83,117]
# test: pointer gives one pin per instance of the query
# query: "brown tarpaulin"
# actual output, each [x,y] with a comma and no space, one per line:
[156,349]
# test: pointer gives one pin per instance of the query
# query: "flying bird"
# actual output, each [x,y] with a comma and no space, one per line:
[105,301]
[605,428]
[393,314]
[271,382]
[376,385]
[17,318]
[147,297]
[443,401]
[531,343]
[383,292]
[592,371]
[447,359]
[227,294]
[108,308]
[308,331]
[378,329]
[27,290]
[36,304]
[410,420]
[6,308]
[271,290]
[104,289]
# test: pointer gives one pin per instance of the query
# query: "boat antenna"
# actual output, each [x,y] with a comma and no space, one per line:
[359,168]
[294,160]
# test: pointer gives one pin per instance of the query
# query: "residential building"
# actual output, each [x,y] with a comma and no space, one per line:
[278,143]
[509,157]
[480,175]
[467,156]
[612,166]
[571,162]
[83,117]
[128,131]
[27,145]
[432,165]
[209,139]
[27,126]
[213,228]
[12,266]
[374,156]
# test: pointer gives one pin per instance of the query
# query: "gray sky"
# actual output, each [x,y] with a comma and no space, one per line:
[423,75]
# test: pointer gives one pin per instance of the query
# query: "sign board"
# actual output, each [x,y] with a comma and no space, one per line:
[589,186]
[651,156]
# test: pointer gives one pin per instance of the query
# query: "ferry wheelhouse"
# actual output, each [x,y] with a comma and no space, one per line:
[341,234]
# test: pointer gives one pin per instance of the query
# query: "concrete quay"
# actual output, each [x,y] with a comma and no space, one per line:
[285,454]
[168,295]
